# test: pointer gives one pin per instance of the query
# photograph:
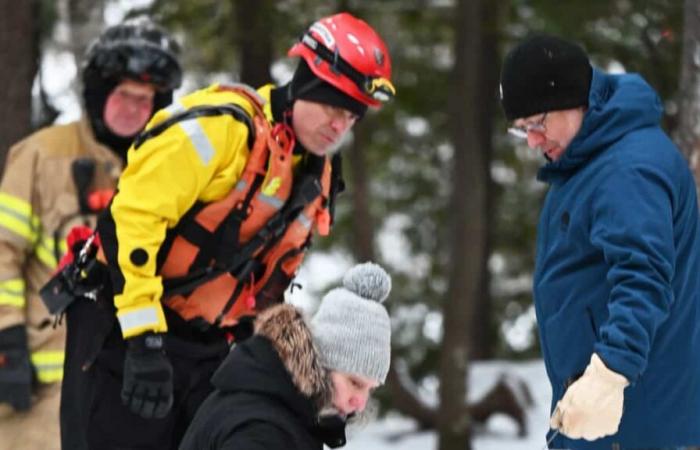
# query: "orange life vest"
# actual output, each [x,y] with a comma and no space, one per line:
[206,252]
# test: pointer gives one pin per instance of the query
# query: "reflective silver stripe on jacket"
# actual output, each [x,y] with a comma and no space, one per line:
[194,131]
[304,220]
[145,317]
[271,200]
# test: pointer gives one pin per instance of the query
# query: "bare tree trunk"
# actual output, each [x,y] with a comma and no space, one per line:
[403,398]
[482,329]
[254,27]
[363,222]
[19,62]
[398,384]
[467,229]
[688,133]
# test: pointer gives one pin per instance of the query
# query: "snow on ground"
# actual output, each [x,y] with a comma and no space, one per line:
[500,432]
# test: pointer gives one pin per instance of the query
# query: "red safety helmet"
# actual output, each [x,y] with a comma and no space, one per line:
[347,53]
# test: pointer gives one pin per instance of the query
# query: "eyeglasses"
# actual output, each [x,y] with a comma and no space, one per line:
[378,88]
[537,127]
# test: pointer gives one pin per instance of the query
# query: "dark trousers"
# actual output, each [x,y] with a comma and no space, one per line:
[87,326]
[102,422]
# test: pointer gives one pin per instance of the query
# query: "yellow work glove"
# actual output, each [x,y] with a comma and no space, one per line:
[592,406]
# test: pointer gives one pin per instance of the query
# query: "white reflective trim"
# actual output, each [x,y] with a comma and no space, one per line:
[320,29]
[199,139]
[139,318]
[270,200]
[305,221]
[194,131]
[241,185]
[174,108]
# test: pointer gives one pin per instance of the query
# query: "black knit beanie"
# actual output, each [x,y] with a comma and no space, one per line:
[306,85]
[544,73]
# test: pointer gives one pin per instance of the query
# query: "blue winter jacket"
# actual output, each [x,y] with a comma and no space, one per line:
[618,267]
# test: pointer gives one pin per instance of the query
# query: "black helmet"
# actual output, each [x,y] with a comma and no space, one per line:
[137,49]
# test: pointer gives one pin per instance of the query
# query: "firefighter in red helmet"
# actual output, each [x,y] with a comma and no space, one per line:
[215,211]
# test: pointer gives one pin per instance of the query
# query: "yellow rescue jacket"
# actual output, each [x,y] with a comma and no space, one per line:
[194,193]
[39,202]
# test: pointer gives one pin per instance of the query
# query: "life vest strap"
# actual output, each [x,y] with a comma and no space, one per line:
[179,229]
[309,189]
[337,184]
[229,229]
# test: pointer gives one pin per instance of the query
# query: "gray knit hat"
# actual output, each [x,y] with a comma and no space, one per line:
[352,328]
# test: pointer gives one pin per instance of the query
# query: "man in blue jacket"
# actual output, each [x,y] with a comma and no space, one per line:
[617,275]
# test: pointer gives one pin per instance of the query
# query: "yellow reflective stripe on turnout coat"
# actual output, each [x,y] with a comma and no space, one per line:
[38,205]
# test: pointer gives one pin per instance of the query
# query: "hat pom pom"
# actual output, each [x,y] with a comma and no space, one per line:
[368,280]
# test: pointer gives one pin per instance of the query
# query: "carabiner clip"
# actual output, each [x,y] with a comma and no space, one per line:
[283,135]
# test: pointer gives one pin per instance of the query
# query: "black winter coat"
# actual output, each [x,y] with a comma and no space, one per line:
[258,404]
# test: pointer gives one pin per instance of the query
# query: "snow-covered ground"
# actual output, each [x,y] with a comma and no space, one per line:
[500,432]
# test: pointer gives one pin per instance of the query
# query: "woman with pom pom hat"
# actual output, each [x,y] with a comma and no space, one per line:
[294,384]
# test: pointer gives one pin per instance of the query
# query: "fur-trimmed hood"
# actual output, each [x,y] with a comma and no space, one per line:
[269,393]
[251,366]
[285,326]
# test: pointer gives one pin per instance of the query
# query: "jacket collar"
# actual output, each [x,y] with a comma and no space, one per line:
[617,105]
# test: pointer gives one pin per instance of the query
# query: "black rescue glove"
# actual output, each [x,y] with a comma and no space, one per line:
[15,368]
[148,377]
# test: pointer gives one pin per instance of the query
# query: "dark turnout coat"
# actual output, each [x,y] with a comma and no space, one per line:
[267,393]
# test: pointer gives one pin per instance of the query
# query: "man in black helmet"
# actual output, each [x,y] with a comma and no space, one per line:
[58,177]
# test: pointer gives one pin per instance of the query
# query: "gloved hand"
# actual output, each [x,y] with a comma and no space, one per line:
[592,406]
[147,389]
[15,368]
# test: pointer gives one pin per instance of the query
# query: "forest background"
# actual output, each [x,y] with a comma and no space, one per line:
[436,190]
